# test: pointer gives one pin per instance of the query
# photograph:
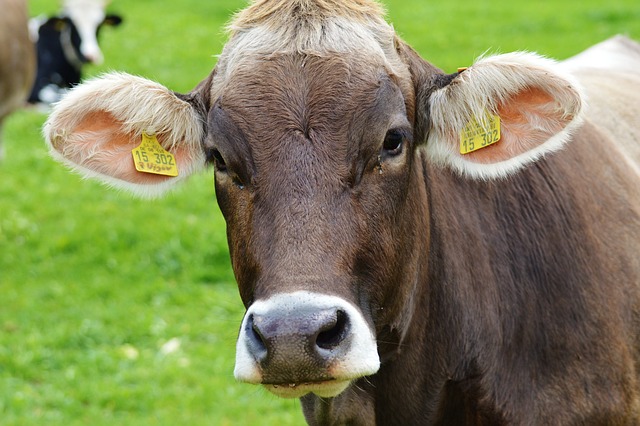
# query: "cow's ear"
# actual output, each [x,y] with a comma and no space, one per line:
[98,124]
[112,20]
[502,113]
[55,23]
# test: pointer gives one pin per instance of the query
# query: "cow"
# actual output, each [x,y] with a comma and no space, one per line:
[411,247]
[17,58]
[64,44]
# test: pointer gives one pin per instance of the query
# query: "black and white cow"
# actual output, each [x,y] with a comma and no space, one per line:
[64,44]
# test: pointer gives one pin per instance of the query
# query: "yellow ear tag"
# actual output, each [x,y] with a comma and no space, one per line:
[151,157]
[478,134]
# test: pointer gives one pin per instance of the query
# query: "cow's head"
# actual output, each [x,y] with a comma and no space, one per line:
[320,123]
[88,16]
[64,44]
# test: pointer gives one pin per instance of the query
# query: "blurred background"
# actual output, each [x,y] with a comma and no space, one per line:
[115,310]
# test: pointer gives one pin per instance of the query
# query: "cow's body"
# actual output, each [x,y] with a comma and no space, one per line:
[17,58]
[388,277]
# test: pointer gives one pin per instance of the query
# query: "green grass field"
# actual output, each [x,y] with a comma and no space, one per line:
[118,311]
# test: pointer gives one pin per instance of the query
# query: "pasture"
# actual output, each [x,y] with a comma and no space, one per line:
[115,310]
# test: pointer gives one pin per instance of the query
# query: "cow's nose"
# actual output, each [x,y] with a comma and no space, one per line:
[314,335]
[310,342]
[94,58]
[92,55]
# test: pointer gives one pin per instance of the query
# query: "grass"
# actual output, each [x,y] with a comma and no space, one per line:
[119,311]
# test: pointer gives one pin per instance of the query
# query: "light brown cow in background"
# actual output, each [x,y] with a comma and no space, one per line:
[17,58]
[412,248]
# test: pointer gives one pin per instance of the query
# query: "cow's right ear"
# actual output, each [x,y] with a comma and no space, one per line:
[98,124]
[112,20]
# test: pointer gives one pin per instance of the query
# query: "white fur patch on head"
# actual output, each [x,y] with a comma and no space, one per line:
[87,15]
[493,84]
[96,125]
[334,34]
[316,28]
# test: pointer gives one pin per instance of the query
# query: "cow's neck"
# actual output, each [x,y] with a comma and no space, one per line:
[502,257]
[439,355]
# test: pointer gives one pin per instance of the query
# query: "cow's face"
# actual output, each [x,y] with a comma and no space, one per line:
[315,175]
[88,16]
[322,127]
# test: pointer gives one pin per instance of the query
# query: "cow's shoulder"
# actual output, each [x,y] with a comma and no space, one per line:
[610,74]
[618,53]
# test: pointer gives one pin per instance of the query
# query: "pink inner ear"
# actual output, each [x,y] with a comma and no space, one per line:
[528,119]
[99,144]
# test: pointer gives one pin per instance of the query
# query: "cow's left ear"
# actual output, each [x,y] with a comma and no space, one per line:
[502,113]
[129,132]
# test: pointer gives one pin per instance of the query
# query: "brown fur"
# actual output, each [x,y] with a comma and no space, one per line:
[17,58]
[283,13]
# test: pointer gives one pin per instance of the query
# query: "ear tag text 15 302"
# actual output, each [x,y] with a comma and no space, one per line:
[151,157]
[478,134]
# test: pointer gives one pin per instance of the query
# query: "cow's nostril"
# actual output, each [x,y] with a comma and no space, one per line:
[334,332]
[256,339]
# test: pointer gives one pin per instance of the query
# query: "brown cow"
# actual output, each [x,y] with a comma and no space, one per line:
[17,58]
[392,272]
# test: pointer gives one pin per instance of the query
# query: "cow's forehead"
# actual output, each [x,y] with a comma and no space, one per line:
[280,104]
[89,12]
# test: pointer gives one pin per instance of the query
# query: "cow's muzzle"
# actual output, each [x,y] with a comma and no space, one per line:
[303,342]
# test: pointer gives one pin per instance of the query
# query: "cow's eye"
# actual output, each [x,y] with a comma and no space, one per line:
[393,140]
[218,160]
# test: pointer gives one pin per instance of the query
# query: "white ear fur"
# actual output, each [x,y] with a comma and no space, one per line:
[486,85]
[140,104]
[130,105]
